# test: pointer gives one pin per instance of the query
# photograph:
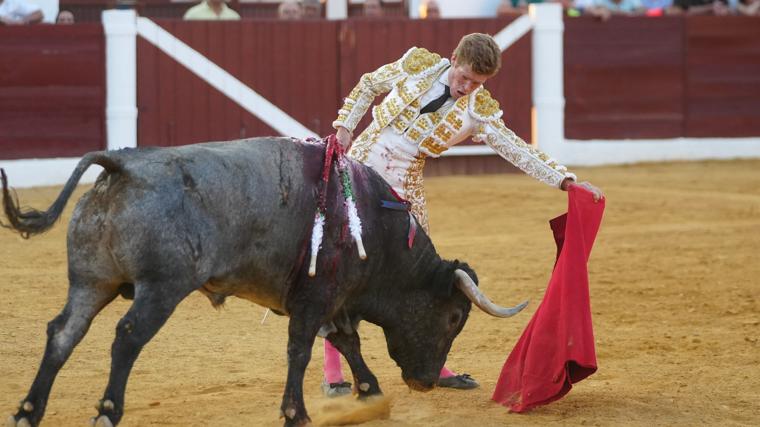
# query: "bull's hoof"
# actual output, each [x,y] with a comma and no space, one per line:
[102,421]
[301,423]
[21,422]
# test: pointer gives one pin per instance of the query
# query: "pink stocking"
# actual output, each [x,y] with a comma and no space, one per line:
[445,372]
[333,372]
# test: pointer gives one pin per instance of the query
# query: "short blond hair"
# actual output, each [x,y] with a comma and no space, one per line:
[480,52]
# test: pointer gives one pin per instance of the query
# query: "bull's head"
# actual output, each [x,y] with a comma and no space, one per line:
[420,341]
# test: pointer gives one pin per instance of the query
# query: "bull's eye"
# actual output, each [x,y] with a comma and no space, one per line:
[454,319]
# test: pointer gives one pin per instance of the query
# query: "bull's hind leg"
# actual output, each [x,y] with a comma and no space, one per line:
[349,346]
[152,306]
[63,334]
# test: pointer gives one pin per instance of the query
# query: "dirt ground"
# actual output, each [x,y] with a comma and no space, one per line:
[674,290]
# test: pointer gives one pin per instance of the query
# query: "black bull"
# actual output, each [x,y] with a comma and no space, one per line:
[236,219]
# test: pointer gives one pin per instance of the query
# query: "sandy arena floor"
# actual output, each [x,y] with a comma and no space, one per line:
[674,290]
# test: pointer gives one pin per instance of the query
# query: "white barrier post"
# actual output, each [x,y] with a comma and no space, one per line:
[337,9]
[548,87]
[120,27]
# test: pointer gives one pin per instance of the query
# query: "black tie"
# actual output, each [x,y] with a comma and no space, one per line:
[435,104]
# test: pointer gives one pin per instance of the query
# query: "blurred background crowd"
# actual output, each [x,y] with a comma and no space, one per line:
[24,12]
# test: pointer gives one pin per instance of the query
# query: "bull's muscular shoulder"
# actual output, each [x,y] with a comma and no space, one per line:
[483,107]
[418,60]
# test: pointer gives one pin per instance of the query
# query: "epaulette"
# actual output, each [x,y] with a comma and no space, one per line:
[420,61]
[483,107]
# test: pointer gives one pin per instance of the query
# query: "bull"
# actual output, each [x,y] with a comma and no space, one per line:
[235,219]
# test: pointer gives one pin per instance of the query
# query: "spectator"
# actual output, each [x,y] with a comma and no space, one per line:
[19,12]
[214,10]
[748,7]
[290,10]
[604,9]
[657,7]
[372,9]
[64,17]
[312,9]
[701,7]
[430,10]
[511,7]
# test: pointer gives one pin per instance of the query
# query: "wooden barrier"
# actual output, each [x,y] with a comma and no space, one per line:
[628,78]
[52,91]
[296,66]
[634,78]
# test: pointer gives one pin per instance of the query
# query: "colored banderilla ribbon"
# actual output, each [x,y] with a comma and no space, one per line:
[334,152]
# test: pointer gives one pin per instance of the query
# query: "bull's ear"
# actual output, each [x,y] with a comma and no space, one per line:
[444,280]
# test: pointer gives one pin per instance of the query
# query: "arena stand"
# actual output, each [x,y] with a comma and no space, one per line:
[91,10]
[641,90]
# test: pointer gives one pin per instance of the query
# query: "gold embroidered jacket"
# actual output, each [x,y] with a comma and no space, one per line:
[477,115]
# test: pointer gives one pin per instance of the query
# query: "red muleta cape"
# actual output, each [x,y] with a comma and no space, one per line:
[556,349]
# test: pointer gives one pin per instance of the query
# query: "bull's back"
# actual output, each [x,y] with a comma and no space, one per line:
[234,216]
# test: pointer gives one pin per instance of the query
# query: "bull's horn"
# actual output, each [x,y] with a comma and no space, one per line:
[469,288]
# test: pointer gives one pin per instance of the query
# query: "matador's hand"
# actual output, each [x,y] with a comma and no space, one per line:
[596,192]
[344,138]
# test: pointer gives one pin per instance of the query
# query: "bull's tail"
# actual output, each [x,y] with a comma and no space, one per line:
[27,221]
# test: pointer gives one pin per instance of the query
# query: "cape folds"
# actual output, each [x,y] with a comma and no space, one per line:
[556,350]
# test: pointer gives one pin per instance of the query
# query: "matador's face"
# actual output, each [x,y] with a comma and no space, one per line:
[462,80]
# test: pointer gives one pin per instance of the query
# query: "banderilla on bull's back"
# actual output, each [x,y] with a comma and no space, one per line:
[161,223]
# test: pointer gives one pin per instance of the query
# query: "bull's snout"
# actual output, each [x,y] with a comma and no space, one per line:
[420,385]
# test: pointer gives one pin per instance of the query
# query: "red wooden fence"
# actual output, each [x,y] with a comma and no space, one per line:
[293,65]
[662,78]
[722,75]
[52,91]
[304,68]
[626,78]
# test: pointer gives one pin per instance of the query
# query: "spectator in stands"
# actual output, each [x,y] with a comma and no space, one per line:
[430,10]
[290,10]
[657,7]
[312,9]
[511,7]
[372,9]
[211,10]
[19,12]
[604,9]
[65,17]
[748,7]
[702,7]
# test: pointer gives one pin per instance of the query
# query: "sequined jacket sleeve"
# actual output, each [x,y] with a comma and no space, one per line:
[370,86]
[529,159]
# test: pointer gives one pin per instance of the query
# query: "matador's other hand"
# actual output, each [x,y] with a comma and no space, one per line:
[344,138]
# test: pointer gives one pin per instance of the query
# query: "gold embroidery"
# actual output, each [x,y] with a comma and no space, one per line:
[404,94]
[431,145]
[361,146]
[484,104]
[453,120]
[392,107]
[419,60]
[414,191]
[529,159]
[443,134]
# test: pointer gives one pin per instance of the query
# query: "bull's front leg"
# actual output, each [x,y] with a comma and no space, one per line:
[302,331]
[350,347]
